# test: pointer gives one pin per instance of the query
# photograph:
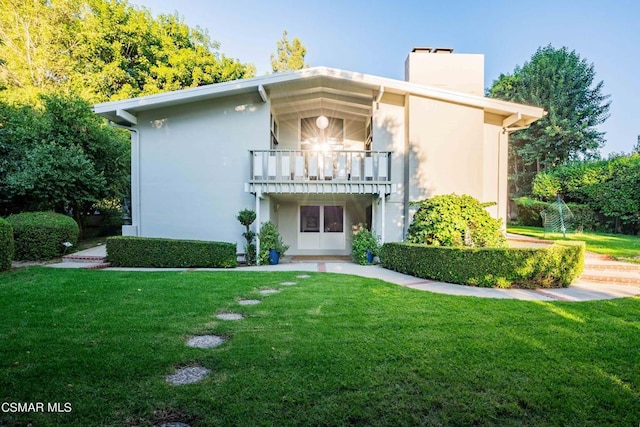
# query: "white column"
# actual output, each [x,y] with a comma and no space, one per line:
[373,225]
[135,227]
[258,197]
[383,216]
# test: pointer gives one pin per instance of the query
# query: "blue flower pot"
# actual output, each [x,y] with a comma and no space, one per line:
[369,256]
[274,257]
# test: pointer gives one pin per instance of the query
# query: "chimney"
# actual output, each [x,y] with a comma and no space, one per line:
[441,68]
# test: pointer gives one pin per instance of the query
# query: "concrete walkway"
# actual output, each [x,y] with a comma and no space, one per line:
[580,290]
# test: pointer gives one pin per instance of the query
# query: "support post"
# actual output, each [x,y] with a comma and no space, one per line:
[258,197]
[383,216]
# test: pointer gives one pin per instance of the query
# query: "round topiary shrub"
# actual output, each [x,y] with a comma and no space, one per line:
[41,235]
[453,220]
[6,245]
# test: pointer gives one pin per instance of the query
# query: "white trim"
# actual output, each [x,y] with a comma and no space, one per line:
[357,80]
[127,116]
[263,94]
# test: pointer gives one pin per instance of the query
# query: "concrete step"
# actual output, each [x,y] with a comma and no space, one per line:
[96,259]
[99,266]
[604,265]
[629,277]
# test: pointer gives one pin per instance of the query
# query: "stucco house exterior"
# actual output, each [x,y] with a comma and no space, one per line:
[317,151]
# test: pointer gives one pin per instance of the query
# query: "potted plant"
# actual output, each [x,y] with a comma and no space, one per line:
[246,218]
[365,245]
[272,247]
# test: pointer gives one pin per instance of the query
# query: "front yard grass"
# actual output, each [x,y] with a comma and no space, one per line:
[331,350]
[618,246]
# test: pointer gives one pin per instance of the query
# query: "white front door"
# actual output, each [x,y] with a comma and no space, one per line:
[321,227]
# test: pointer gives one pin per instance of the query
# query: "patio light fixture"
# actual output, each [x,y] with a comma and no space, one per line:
[322,122]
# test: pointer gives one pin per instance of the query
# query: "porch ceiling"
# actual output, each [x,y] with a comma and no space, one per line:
[318,96]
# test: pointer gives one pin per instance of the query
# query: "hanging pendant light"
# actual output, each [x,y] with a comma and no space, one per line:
[322,122]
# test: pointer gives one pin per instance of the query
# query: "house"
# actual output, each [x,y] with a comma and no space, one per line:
[317,151]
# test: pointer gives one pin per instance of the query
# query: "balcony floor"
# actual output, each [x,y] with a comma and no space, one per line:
[318,187]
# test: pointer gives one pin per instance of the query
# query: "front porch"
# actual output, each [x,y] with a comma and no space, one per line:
[320,225]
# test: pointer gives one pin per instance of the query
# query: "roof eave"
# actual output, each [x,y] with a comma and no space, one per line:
[131,106]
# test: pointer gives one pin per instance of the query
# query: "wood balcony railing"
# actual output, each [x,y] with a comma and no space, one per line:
[268,166]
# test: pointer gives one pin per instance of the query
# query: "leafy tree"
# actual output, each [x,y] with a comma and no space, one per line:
[607,187]
[38,38]
[104,50]
[564,84]
[546,186]
[289,56]
[60,157]
[636,148]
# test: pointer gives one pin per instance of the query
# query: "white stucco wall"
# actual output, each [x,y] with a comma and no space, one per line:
[451,71]
[389,134]
[495,170]
[446,149]
[194,163]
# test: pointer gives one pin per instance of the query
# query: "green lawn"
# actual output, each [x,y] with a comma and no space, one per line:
[332,350]
[619,246]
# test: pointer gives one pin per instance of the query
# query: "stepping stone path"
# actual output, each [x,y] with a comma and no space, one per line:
[230,316]
[194,374]
[189,375]
[205,341]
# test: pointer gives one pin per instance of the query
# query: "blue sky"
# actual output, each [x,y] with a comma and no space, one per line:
[374,37]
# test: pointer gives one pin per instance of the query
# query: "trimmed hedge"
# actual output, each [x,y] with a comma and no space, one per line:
[127,251]
[528,211]
[40,235]
[553,266]
[7,247]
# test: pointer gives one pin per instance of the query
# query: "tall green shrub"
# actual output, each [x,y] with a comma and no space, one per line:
[40,235]
[453,220]
[270,238]
[364,240]
[7,247]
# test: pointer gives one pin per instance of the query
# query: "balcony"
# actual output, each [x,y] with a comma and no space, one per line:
[319,172]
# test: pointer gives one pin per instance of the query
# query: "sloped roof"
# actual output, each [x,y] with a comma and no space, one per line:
[355,91]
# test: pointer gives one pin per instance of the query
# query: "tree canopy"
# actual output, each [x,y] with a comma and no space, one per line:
[104,50]
[57,57]
[289,56]
[564,84]
[60,156]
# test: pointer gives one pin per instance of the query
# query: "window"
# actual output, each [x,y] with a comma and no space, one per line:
[274,132]
[309,219]
[333,134]
[333,219]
